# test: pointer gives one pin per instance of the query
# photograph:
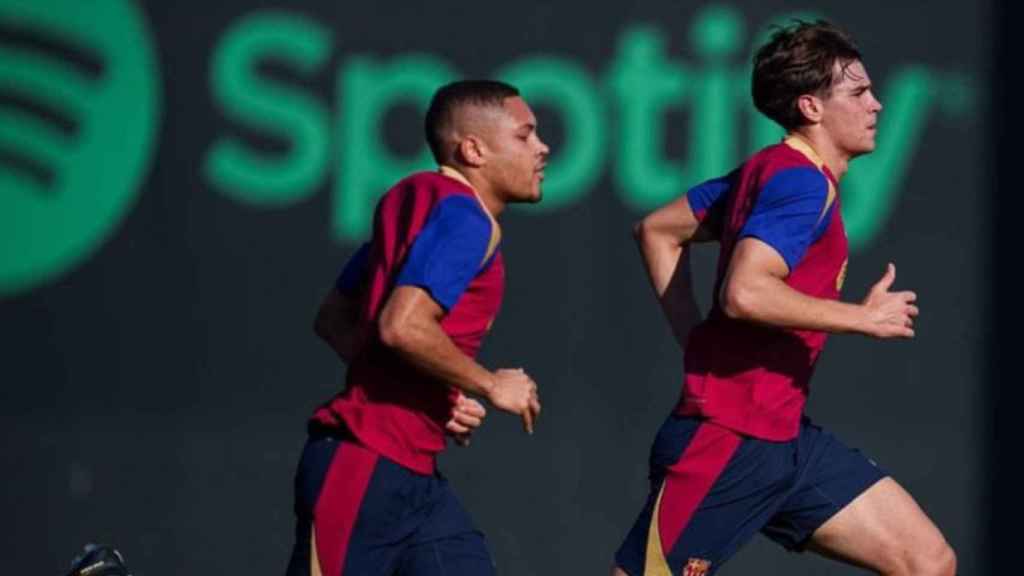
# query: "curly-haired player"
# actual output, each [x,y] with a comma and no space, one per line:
[738,456]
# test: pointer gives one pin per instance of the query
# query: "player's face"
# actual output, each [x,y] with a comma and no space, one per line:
[518,156]
[850,112]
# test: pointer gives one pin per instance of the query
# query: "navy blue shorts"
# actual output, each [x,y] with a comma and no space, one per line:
[359,513]
[713,489]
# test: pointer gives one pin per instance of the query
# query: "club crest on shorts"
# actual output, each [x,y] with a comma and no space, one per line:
[696,567]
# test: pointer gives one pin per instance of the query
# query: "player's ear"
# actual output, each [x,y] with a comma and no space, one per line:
[810,106]
[471,150]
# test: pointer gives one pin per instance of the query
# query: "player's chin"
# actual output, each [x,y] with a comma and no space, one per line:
[870,141]
[537,193]
[866,147]
[531,195]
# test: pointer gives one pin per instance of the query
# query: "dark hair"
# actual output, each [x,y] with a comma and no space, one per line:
[450,97]
[798,59]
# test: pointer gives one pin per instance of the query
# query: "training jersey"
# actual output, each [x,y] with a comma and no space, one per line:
[432,231]
[753,378]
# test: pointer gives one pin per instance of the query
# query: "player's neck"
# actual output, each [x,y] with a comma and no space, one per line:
[817,140]
[480,187]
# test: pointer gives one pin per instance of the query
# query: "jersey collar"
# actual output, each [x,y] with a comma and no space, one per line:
[804,147]
[454,174]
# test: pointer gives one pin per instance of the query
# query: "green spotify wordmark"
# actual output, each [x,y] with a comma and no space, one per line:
[617,118]
[79,110]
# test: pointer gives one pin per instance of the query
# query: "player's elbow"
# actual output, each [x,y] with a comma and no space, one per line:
[392,333]
[638,232]
[650,239]
[739,300]
[399,333]
[645,231]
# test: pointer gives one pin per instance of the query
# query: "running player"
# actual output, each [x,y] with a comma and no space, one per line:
[738,456]
[408,314]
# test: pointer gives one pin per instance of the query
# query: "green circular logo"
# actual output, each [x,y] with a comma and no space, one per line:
[80,100]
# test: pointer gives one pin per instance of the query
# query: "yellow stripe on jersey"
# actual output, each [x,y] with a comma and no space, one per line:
[656,563]
[495,228]
[802,146]
[314,560]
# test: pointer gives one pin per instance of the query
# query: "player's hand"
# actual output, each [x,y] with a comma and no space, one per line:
[467,415]
[514,391]
[889,314]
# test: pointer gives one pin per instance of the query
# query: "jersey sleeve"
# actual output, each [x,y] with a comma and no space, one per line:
[354,273]
[449,251]
[789,212]
[706,198]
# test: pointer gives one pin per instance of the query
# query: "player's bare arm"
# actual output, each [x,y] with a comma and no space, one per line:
[755,290]
[336,322]
[663,237]
[410,323]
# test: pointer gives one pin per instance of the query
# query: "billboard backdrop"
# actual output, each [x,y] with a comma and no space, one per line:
[179,184]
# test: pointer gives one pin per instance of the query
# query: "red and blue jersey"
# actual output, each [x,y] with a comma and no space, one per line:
[748,377]
[432,231]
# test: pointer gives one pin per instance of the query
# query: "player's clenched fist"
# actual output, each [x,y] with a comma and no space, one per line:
[514,391]
[889,314]
[467,415]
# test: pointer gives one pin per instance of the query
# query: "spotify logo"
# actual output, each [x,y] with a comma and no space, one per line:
[79,110]
[616,120]
[81,103]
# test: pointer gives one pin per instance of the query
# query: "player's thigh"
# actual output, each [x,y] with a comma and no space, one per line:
[354,509]
[885,530]
[830,476]
[447,541]
[464,554]
[706,538]
[717,493]
[317,456]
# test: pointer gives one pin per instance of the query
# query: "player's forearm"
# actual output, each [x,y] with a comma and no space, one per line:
[769,300]
[660,254]
[667,264]
[426,346]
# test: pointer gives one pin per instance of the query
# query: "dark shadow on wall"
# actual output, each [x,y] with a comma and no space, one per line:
[1005,382]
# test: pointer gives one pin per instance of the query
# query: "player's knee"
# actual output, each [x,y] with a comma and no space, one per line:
[933,560]
[937,561]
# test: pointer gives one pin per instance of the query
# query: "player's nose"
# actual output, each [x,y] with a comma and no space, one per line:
[876,105]
[544,150]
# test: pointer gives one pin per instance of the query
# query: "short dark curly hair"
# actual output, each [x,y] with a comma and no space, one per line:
[798,59]
[450,97]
